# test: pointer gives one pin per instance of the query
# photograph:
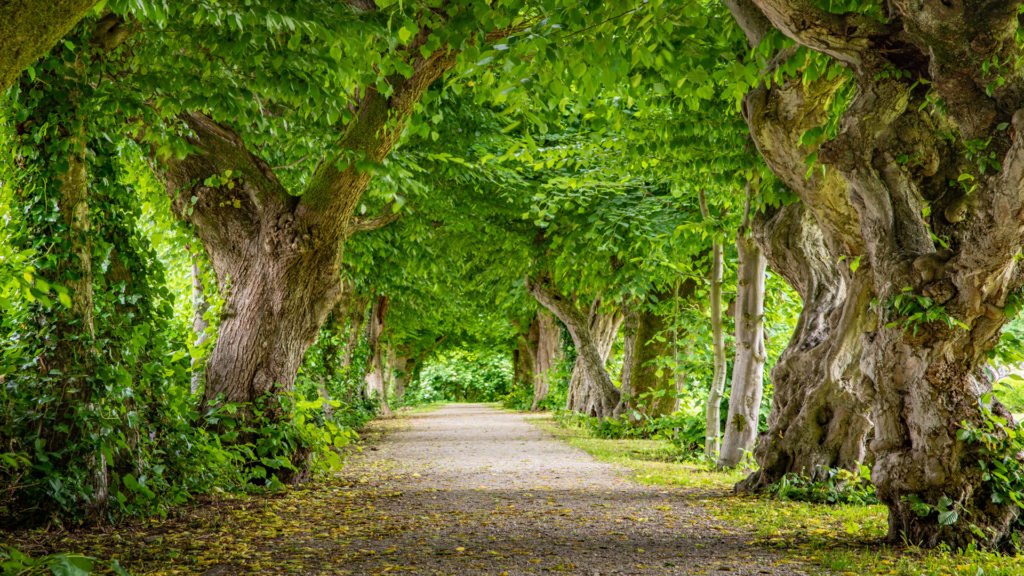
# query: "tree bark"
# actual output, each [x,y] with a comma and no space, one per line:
[401,369]
[651,388]
[549,335]
[375,379]
[277,256]
[712,422]
[748,365]
[921,379]
[199,323]
[524,357]
[30,29]
[593,336]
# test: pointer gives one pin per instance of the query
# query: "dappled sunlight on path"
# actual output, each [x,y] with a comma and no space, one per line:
[481,491]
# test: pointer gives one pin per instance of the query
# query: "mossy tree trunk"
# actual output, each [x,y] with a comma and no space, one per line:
[921,350]
[30,28]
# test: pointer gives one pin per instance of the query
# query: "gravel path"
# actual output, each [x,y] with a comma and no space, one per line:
[474,490]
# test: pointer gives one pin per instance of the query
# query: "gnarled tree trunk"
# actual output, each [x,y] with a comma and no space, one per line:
[922,348]
[593,335]
[277,256]
[748,365]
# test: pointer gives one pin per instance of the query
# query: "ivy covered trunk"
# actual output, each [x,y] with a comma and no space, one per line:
[649,386]
[748,364]
[593,334]
[941,277]
[549,337]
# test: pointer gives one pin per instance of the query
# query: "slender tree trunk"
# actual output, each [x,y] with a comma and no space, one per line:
[593,344]
[549,336]
[199,323]
[401,367]
[748,366]
[713,416]
[375,380]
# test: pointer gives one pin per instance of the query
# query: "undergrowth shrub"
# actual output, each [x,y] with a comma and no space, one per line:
[834,486]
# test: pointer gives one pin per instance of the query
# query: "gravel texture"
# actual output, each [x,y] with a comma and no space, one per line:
[475,490]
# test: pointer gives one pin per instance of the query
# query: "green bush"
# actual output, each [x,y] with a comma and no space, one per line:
[835,486]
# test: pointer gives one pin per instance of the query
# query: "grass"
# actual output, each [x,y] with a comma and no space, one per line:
[843,540]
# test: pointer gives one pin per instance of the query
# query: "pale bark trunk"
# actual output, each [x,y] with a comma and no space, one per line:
[376,384]
[712,420]
[593,338]
[748,365]
[546,356]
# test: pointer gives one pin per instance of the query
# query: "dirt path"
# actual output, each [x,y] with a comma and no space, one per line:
[465,490]
[475,490]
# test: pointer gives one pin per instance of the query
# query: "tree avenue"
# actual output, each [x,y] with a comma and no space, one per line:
[780,238]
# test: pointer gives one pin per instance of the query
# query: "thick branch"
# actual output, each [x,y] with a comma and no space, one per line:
[29,28]
[844,37]
[750,19]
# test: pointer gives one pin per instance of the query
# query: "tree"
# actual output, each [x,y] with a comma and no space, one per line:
[748,365]
[930,120]
[30,29]
[712,426]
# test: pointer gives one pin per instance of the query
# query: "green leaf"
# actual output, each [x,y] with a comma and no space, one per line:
[948,518]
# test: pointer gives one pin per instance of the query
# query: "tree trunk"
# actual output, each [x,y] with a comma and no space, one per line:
[652,387]
[712,422]
[401,370]
[549,336]
[748,365]
[922,348]
[276,255]
[30,28]
[593,338]
[630,326]
[55,128]
[376,384]
[199,323]
[524,357]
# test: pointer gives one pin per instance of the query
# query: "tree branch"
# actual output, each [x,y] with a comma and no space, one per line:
[845,37]
[387,216]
